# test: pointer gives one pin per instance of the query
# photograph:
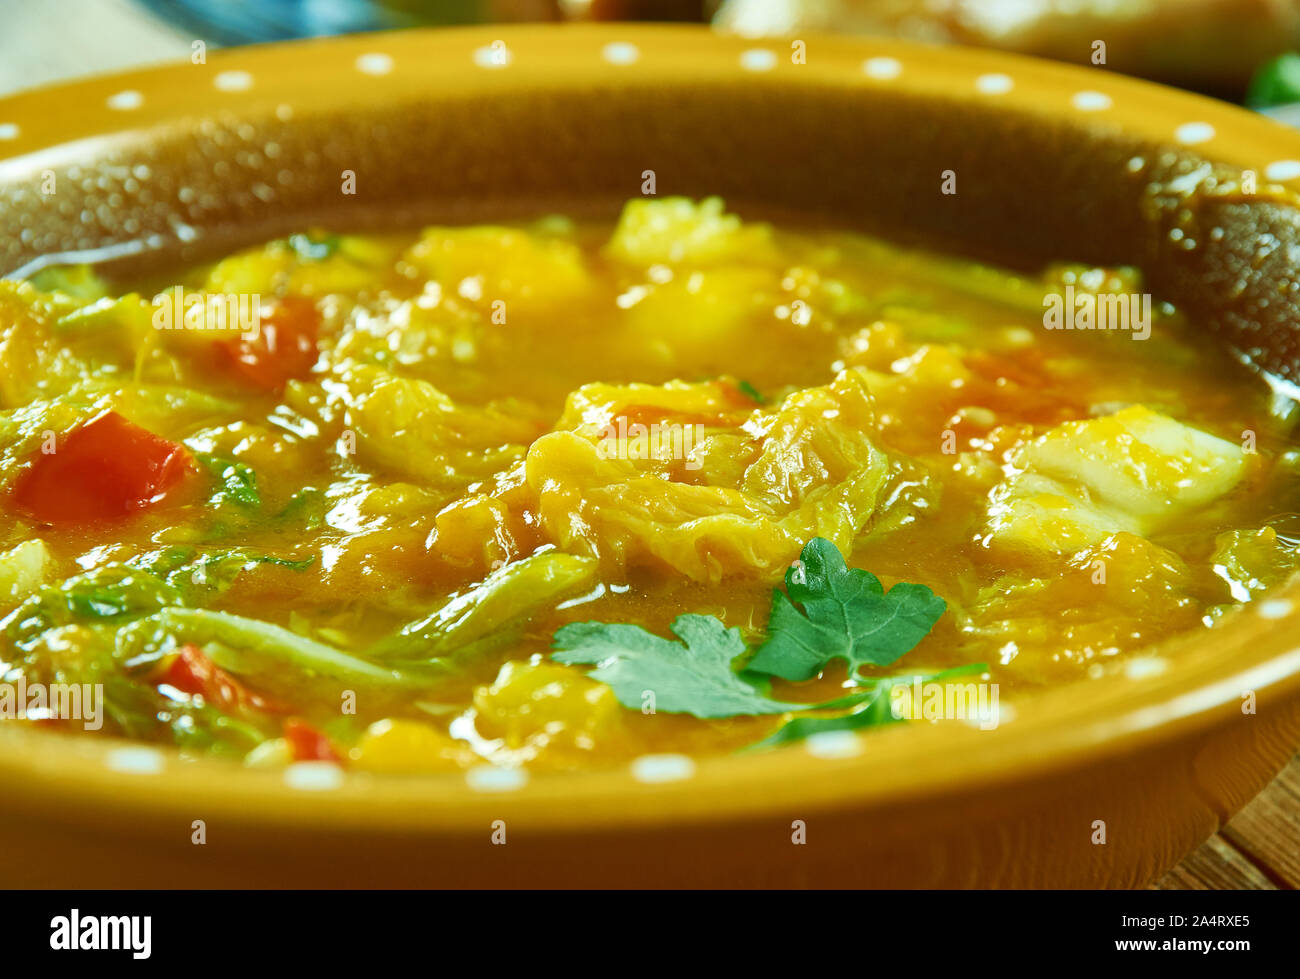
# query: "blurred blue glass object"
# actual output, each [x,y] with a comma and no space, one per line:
[250,21]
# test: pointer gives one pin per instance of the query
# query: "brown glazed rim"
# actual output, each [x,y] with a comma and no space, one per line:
[1051,162]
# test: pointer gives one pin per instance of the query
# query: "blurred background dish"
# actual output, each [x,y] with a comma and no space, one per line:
[1211,46]
[54,40]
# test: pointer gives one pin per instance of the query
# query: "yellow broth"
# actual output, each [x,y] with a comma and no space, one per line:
[422,445]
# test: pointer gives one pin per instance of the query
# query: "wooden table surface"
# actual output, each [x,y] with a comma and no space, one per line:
[1259,849]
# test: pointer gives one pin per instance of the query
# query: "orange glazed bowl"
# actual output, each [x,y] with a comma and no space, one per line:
[1051,162]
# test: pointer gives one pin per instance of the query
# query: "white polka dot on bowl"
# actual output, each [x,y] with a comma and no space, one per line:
[494,55]
[8,130]
[374,63]
[490,778]
[233,81]
[833,744]
[620,53]
[882,68]
[313,776]
[1282,170]
[1190,133]
[758,59]
[1141,667]
[135,760]
[1090,101]
[125,101]
[994,84]
[662,768]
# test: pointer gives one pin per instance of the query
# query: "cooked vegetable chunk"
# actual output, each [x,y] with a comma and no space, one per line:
[408,426]
[283,347]
[105,470]
[506,264]
[672,230]
[1123,592]
[1134,471]
[740,499]
[22,570]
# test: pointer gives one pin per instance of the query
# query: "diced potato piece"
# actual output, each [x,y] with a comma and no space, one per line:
[490,263]
[397,746]
[419,338]
[704,314]
[1134,471]
[322,264]
[547,706]
[259,272]
[676,230]
[804,469]
[22,571]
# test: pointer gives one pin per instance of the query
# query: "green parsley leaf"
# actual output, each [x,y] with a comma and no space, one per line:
[696,678]
[306,508]
[876,712]
[878,709]
[846,614]
[751,392]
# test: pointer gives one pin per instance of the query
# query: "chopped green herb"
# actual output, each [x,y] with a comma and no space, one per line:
[306,508]
[751,392]
[182,567]
[877,709]
[697,678]
[221,569]
[846,614]
[238,481]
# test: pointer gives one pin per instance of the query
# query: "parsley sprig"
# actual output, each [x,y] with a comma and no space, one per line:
[828,611]
[846,614]
[696,678]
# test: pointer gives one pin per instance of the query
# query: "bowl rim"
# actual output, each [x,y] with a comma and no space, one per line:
[1257,648]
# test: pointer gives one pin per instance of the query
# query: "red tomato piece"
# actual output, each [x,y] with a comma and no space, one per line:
[284,348]
[306,743]
[192,671]
[105,470]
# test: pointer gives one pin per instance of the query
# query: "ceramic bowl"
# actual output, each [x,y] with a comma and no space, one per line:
[1051,162]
